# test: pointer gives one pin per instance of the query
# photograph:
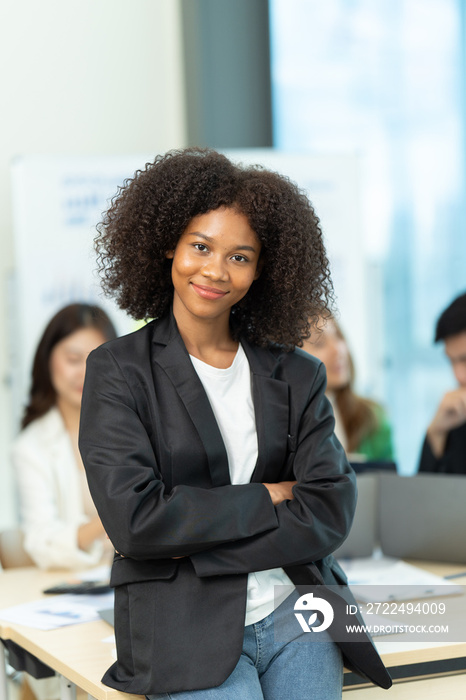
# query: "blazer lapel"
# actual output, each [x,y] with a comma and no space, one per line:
[270,397]
[271,406]
[174,359]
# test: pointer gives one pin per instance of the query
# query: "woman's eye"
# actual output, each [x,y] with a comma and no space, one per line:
[239,258]
[201,247]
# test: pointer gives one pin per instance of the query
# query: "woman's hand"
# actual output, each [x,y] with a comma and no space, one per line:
[89,532]
[280,491]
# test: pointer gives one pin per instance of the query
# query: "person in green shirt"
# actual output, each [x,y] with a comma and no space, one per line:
[361,425]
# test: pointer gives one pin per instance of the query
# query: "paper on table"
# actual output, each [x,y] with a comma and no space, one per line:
[96,601]
[382,579]
[57,611]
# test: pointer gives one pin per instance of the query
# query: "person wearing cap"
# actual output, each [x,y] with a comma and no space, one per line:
[444,448]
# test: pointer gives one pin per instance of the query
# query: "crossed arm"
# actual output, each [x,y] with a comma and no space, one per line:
[226,529]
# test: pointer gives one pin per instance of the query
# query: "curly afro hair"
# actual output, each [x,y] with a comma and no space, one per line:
[150,212]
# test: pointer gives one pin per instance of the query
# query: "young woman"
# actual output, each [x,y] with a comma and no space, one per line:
[208,442]
[361,425]
[60,523]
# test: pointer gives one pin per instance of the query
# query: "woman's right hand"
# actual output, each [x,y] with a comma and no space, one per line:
[281,491]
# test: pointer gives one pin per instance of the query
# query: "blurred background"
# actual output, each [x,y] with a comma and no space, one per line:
[362,102]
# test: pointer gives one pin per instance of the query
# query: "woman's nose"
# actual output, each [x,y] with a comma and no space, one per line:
[215,269]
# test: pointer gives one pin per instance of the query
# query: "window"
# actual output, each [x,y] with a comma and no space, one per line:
[385,80]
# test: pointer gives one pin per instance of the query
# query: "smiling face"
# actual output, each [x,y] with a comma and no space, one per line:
[68,364]
[214,264]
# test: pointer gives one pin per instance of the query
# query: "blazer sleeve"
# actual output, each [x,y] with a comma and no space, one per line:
[142,520]
[317,520]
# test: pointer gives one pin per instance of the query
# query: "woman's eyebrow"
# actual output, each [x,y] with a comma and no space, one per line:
[211,240]
[201,235]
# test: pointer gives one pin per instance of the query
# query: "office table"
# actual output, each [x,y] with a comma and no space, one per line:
[77,652]
[80,656]
[420,670]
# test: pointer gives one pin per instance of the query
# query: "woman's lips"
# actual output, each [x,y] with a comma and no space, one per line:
[208,292]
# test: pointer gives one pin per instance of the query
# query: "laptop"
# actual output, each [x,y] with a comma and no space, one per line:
[371,465]
[423,516]
[107,615]
[363,535]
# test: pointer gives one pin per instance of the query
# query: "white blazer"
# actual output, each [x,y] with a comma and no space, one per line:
[50,494]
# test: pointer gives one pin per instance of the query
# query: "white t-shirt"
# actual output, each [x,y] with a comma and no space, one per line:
[230,396]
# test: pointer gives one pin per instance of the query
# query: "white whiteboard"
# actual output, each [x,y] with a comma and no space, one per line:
[57,202]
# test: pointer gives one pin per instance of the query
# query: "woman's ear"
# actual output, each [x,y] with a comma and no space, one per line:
[170,254]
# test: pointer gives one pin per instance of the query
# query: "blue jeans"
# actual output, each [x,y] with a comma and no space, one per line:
[295,667]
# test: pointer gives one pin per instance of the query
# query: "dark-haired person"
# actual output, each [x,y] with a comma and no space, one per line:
[444,448]
[61,526]
[208,441]
[361,425]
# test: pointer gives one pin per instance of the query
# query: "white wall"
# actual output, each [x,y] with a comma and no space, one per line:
[80,77]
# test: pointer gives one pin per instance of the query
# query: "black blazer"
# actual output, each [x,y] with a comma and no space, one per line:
[158,472]
[453,460]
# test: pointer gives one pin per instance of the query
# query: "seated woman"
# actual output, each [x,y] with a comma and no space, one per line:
[361,425]
[59,520]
